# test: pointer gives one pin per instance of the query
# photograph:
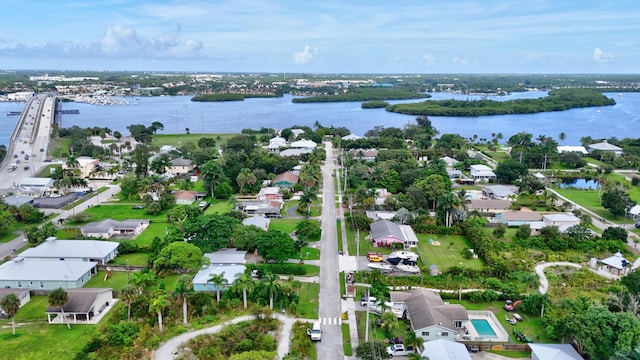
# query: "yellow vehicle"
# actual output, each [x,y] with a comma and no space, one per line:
[375,258]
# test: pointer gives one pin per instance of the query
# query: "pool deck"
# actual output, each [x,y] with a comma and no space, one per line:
[502,336]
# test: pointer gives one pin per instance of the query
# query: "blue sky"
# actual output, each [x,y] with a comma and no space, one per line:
[327,36]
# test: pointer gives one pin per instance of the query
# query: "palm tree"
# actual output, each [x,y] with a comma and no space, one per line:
[562,136]
[307,197]
[245,177]
[128,295]
[412,339]
[218,280]
[142,279]
[389,323]
[10,304]
[158,303]
[59,298]
[272,286]
[184,287]
[244,283]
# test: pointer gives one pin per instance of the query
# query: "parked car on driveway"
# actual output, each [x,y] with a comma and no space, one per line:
[399,350]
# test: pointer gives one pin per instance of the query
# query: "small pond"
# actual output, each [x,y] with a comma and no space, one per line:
[579,184]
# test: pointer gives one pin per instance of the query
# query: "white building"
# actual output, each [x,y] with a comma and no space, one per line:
[481,172]
[73,250]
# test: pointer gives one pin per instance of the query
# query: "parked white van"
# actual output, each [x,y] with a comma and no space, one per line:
[315,333]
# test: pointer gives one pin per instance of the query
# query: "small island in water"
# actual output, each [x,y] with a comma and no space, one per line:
[558,100]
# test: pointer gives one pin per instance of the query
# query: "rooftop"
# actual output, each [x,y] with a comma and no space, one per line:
[53,248]
[21,269]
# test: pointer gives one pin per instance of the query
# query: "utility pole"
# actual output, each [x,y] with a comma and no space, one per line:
[357,248]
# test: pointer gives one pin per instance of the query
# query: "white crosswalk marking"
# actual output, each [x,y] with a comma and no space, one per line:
[330,321]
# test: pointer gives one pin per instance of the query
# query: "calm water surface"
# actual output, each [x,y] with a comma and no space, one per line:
[178,113]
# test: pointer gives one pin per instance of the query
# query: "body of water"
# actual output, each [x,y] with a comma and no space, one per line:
[178,113]
[580,184]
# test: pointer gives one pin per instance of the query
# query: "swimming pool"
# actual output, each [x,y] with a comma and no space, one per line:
[483,328]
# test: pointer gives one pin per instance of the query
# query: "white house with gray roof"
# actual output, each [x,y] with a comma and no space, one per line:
[73,250]
[41,274]
[604,146]
[108,228]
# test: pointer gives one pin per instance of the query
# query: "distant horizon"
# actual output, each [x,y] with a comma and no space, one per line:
[324,37]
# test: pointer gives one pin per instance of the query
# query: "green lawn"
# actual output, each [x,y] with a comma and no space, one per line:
[181,139]
[308,305]
[309,253]
[512,354]
[38,340]
[121,212]
[365,245]
[6,236]
[449,253]
[346,340]
[146,237]
[589,199]
[134,259]
[46,171]
[219,207]
[287,226]
[117,280]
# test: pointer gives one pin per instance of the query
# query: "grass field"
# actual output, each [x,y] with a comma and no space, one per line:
[310,253]
[6,236]
[117,280]
[365,245]
[219,207]
[449,253]
[589,199]
[180,139]
[134,259]
[287,226]
[308,305]
[146,237]
[121,212]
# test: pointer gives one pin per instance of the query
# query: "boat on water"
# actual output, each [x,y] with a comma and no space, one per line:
[411,269]
[385,268]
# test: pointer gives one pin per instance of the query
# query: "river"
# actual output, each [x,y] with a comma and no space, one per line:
[178,113]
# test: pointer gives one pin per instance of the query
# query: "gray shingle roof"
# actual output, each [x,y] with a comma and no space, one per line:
[382,228]
[79,300]
[426,308]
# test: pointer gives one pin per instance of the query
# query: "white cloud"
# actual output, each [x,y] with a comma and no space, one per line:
[459,61]
[305,56]
[601,57]
[428,59]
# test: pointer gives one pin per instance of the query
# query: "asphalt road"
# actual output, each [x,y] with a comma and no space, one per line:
[330,301]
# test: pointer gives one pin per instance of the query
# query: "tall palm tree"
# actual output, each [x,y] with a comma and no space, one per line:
[245,177]
[128,295]
[218,280]
[157,305]
[270,283]
[244,283]
[307,197]
[59,298]
[10,304]
[184,287]
[412,339]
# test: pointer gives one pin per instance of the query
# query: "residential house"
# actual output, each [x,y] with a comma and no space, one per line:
[35,187]
[230,263]
[572,148]
[108,228]
[269,193]
[180,166]
[381,196]
[257,221]
[303,144]
[449,161]
[498,192]
[553,352]
[25,273]
[84,306]
[165,149]
[517,218]
[73,250]
[454,174]
[481,172]
[604,146]
[430,317]
[285,180]
[294,152]
[561,220]
[385,233]
[185,197]
[365,154]
[297,132]
[24,295]
[443,349]
[380,215]
[488,205]
[276,143]
[86,166]
[615,264]
[17,200]
[269,209]
[351,137]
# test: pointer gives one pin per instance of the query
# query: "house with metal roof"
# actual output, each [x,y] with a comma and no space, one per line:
[294,152]
[41,274]
[554,352]
[386,233]
[108,228]
[303,144]
[615,264]
[276,143]
[84,306]
[429,316]
[35,187]
[351,137]
[517,218]
[481,172]
[498,192]
[257,221]
[443,349]
[230,263]
[73,250]
[604,146]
